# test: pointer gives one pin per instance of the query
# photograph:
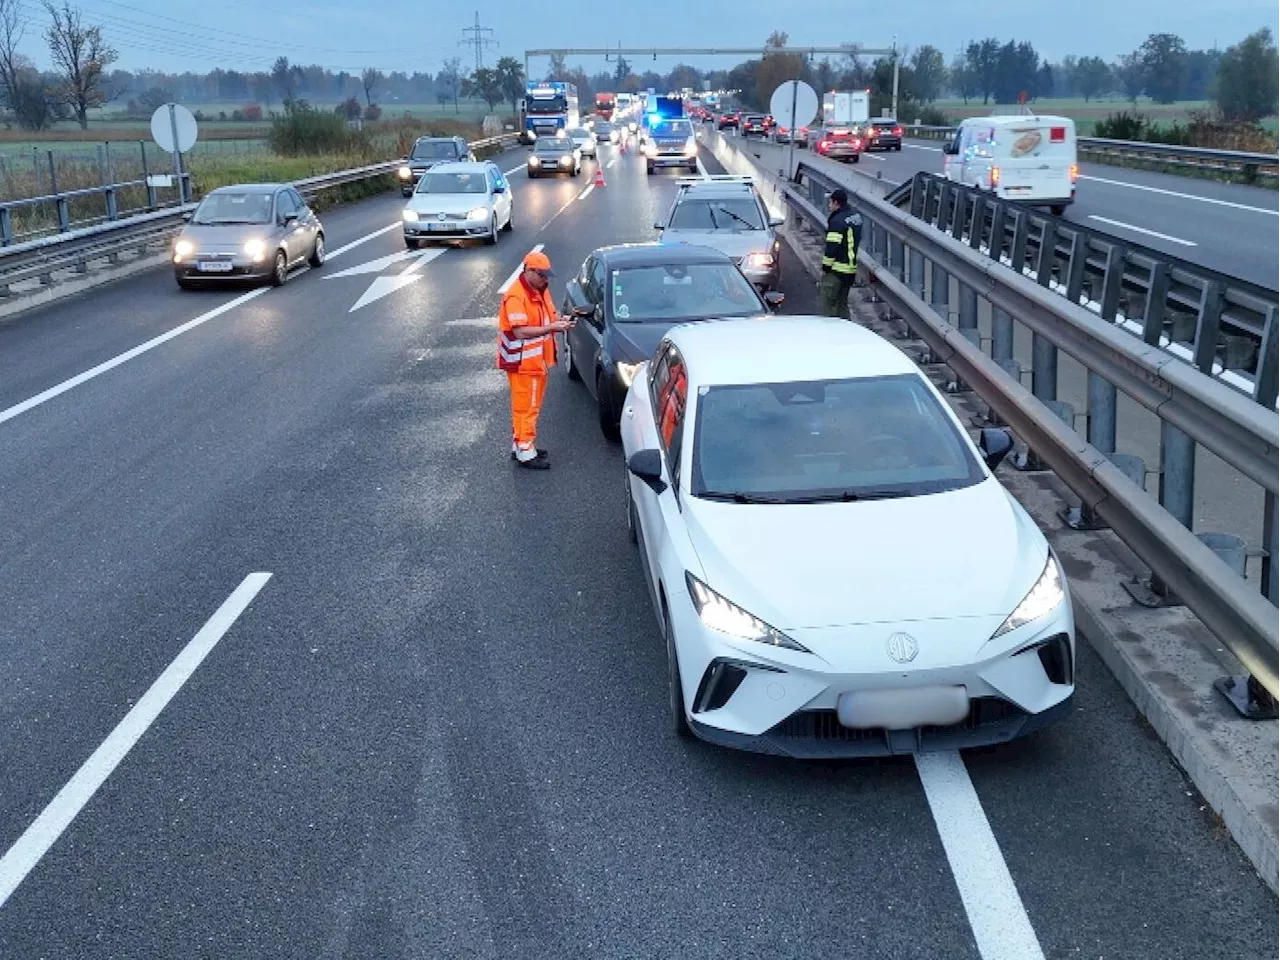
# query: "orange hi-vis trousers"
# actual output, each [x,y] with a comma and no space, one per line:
[527,391]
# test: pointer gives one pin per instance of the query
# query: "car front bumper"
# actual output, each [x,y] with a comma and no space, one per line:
[756,697]
[672,160]
[418,229]
[212,267]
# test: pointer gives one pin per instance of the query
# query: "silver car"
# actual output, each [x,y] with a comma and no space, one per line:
[584,140]
[727,214]
[249,231]
[456,201]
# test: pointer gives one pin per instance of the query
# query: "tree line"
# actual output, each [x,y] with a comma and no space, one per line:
[1241,80]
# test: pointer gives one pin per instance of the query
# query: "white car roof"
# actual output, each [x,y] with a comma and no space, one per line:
[784,349]
[1013,120]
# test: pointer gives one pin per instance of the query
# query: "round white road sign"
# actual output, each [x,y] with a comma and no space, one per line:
[804,99]
[164,127]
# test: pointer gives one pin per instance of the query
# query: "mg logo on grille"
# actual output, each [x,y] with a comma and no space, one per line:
[902,647]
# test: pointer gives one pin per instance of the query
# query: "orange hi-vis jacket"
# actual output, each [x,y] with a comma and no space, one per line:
[524,307]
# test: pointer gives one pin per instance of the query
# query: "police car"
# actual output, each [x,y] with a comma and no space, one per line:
[670,142]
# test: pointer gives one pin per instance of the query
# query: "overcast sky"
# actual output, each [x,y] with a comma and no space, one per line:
[247,34]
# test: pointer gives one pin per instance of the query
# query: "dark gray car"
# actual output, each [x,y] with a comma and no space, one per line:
[426,153]
[249,231]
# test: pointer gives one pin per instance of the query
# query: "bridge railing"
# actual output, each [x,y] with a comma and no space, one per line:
[913,254]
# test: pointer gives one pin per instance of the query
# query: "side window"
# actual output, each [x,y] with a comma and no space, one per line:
[284,205]
[298,200]
[599,285]
[671,423]
[586,279]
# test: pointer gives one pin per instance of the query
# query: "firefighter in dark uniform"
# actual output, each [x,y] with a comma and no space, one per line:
[840,255]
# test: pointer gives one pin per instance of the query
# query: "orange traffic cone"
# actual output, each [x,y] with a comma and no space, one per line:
[599,180]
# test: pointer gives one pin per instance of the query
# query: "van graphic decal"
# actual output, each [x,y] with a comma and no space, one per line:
[1026,143]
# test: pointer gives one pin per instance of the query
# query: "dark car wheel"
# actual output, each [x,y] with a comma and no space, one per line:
[675,693]
[609,422]
[183,282]
[280,272]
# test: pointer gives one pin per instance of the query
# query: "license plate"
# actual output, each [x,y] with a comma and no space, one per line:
[904,708]
[213,266]
[439,227]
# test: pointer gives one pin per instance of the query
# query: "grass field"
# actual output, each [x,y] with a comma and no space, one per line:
[1086,114]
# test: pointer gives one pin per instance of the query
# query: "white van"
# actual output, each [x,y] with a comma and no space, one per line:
[1029,158]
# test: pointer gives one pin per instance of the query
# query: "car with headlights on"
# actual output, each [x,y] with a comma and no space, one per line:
[834,567]
[669,142]
[626,297]
[459,201]
[252,231]
[426,153]
[554,155]
[584,140]
[727,212]
[606,131]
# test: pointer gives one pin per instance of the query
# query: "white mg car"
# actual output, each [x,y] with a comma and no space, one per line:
[455,201]
[834,567]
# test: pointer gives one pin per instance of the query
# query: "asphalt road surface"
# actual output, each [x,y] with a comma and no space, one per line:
[437,729]
[1227,227]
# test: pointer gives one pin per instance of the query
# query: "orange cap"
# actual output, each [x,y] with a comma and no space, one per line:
[538,261]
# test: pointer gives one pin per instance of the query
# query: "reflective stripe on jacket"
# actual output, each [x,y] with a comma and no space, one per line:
[844,231]
[523,307]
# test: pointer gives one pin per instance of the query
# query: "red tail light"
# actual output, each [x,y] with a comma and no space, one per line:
[897,131]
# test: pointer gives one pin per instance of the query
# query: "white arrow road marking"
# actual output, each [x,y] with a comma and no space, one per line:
[44,832]
[373,266]
[382,286]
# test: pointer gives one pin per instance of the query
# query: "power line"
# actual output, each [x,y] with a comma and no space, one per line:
[477,39]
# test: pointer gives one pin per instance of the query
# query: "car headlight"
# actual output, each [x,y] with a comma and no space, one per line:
[650,149]
[627,371]
[477,213]
[535,162]
[1042,599]
[727,617]
[183,248]
[566,161]
[758,260]
[410,215]
[691,148]
[255,248]
[560,134]
[405,173]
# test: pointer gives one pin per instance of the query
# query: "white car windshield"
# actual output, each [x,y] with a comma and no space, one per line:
[716,215]
[453,183]
[866,438]
[686,291]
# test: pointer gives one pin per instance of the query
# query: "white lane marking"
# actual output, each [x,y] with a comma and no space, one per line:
[916,146]
[20,408]
[507,173]
[557,213]
[872,156]
[79,378]
[587,192]
[702,171]
[996,915]
[1184,196]
[365,239]
[611,162]
[1150,233]
[519,267]
[45,830]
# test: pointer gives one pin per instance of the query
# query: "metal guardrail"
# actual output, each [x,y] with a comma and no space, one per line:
[75,249]
[1249,165]
[899,249]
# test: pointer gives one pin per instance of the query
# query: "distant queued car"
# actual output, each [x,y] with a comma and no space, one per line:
[584,140]
[252,231]
[426,153]
[883,133]
[626,297]
[770,468]
[840,144]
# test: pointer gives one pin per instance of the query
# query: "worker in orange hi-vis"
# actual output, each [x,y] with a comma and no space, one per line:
[527,325]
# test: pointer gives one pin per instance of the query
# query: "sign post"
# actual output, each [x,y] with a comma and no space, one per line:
[174,128]
[793,105]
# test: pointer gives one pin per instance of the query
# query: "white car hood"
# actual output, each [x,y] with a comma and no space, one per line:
[452,203]
[968,553]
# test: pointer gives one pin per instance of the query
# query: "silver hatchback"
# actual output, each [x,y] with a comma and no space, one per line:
[247,232]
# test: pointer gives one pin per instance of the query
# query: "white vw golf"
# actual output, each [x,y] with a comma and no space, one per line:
[835,568]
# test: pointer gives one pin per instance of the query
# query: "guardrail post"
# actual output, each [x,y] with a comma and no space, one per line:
[146,176]
[6,227]
[915,269]
[940,281]
[64,212]
[108,188]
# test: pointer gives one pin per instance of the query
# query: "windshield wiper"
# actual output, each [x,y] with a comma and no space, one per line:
[849,496]
[737,496]
[722,209]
